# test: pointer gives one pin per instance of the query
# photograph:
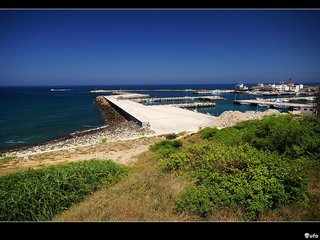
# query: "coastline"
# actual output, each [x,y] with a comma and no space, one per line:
[123,131]
[122,143]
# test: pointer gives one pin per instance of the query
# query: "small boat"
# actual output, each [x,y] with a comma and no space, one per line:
[279,106]
[263,105]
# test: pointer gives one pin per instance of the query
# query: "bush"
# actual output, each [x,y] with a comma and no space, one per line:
[255,166]
[166,147]
[207,133]
[285,135]
[235,176]
[38,195]
[229,136]
[171,136]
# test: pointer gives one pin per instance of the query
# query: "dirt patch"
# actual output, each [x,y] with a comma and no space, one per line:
[125,151]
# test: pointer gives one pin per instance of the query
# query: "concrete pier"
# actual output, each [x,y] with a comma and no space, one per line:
[161,118]
[193,105]
[206,98]
[273,103]
[291,99]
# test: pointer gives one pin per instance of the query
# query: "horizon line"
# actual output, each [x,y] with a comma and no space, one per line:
[150,84]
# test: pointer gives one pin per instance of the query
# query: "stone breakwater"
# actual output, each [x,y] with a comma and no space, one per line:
[108,113]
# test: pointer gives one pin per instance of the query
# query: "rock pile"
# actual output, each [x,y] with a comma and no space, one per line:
[231,118]
[108,113]
[125,130]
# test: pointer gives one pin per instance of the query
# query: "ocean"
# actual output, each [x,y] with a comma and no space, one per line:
[33,115]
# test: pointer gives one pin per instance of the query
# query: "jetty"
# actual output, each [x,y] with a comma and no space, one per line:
[140,90]
[206,98]
[132,96]
[273,104]
[161,118]
[194,91]
[213,91]
[193,105]
[291,99]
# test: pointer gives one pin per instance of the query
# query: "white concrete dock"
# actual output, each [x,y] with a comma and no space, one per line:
[273,104]
[206,98]
[162,119]
[193,105]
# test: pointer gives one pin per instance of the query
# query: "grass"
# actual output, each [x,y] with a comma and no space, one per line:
[215,175]
[252,168]
[38,195]
[6,157]
[166,147]
[146,195]
[231,174]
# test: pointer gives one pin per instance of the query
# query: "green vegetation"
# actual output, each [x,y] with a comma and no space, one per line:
[38,195]
[171,136]
[104,141]
[207,133]
[6,158]
[256,166]
[166,147]
[317,101]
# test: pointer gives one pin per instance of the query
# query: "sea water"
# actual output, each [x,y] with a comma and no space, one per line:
[32,115]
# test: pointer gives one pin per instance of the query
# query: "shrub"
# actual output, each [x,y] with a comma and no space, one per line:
[166,147]
[171,136]
[232,176]
[207,133]
[255,166]
[38,195]
[284,134]
[229,136]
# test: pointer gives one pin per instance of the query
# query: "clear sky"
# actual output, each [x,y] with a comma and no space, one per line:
[98,47]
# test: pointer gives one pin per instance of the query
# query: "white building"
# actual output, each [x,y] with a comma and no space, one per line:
[311,111]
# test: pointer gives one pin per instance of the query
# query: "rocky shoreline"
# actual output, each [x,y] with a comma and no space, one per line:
[123,130]
[116,127]
[127,130]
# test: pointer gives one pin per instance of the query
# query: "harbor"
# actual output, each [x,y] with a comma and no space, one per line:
[161,118]
[287,97]
[291,99]
[205,98]
[139,90]
[193,105]
[273,104]
[193,91]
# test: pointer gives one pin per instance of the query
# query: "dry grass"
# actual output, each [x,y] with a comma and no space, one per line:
[145,195]
[120,151]
[148,194]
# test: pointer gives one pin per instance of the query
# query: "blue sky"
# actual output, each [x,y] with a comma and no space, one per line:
[112,47]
